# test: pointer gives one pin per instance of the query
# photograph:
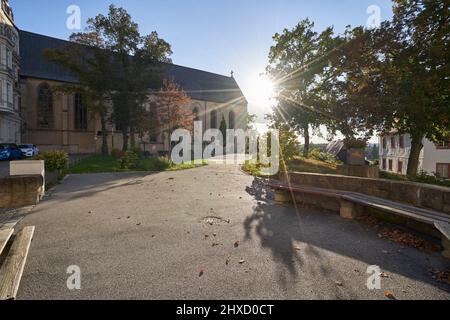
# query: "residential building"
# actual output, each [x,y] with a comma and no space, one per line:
[10,121]
[395,150]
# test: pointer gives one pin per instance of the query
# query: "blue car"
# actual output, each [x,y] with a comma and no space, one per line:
[10,151]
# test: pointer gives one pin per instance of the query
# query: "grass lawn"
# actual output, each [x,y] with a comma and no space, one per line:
[309,165]
[103,164]
[298,164]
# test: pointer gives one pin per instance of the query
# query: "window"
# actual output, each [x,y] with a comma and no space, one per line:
[9,93]
[214,119]
[384,144]
[400,167]
[393,145]
[80,113]
[384,164]
[8,58]
[401,142]
[232,120]
[45,107]
[443,170]
[443,145]
[196,113]
[391,165]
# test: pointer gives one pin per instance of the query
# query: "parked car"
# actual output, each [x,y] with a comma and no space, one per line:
[10,151]
[29,150]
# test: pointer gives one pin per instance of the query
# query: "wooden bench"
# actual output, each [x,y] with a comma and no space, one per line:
[349,201]
[12,260]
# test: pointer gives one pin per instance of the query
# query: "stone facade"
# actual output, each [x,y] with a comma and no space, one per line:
[64,135]
[10,121]
[20,191]
[417,194]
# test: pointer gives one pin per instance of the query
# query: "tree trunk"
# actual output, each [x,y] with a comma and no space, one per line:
[104,134]
[125,139]
[132,138]
[307,140]
[414,156]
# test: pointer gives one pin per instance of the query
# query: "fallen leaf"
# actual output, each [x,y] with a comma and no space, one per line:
[390,295]
[201,273]
[236,244]
[339,284]
[227,262]
[384,275]
[242,261]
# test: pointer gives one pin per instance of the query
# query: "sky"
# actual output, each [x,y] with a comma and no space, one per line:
[219,36]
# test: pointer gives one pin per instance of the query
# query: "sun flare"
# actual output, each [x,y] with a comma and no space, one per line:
[261,91]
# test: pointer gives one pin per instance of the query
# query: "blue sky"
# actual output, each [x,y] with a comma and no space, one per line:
[213,35]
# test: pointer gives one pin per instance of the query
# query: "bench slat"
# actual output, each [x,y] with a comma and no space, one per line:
[386,205]
[444,228]
[12,268]
[5,235]
[408,211]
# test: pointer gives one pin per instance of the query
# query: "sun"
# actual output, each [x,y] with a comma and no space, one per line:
[261,91]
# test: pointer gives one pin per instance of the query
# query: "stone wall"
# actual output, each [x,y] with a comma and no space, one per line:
[20,191]
[417,194]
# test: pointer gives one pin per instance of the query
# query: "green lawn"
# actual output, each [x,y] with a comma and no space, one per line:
[309,165]
[102,164]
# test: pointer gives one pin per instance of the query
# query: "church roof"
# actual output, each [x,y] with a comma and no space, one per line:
[198,84]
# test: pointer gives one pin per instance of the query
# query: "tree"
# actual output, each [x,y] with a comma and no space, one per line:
[223,129]
[137,68]
[396,77]
[88,60]
[170,107]
[298,62]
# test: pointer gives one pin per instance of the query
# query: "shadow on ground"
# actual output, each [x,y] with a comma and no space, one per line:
[295,235]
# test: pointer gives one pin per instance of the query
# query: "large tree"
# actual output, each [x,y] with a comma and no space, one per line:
[395,78]
[90,63]
[297,63]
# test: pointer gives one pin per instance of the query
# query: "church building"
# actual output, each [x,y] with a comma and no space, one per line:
[32,112]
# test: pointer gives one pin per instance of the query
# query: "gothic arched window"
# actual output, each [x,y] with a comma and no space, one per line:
[232,120]
[45,107]
[214,119]
[80,113]
[196,113]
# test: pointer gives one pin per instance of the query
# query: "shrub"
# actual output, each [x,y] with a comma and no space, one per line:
[54,160]
[353,143]
[129,160]
[316,154]
[137,151]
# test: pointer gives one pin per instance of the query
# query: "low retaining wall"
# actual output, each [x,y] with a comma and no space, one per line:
[21,191]
[417,194]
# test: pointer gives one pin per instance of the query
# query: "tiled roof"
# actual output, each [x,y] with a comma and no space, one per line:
[199,85]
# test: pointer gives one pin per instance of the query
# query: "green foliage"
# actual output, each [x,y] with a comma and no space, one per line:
[102,163]
[54,160]
[129,160]
[421,177]
[352,143]
[138,151]
[319,155]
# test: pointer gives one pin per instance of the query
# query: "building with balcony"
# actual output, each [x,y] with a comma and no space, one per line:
[10,120]
[395,150]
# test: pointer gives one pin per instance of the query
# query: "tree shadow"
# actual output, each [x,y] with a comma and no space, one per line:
[300,239]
